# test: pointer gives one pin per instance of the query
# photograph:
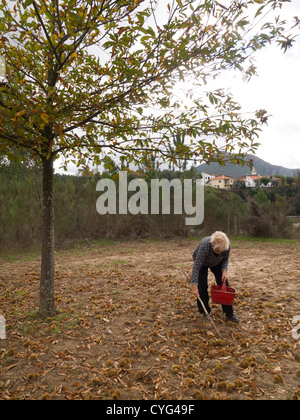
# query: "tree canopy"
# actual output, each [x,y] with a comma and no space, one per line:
[84,76]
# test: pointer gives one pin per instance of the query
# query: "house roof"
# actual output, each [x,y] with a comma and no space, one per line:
[243,178]
[222,177]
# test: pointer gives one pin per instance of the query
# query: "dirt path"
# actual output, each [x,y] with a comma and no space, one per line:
[128,326]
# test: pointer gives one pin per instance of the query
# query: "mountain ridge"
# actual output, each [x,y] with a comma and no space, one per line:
[262,167]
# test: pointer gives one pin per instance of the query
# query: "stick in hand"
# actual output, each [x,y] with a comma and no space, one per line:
[204,308]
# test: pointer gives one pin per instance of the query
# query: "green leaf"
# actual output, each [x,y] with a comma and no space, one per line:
[259,10]
[28,3]
[243,22]
[75,16]
[45,118]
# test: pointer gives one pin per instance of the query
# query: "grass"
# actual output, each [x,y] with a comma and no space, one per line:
[118,262]
[14,255]
[263,240]
[29,253]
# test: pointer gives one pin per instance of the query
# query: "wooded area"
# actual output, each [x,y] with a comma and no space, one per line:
[249,212]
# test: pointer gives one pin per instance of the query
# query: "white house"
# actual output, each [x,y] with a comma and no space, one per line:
[206,177]
[249,180]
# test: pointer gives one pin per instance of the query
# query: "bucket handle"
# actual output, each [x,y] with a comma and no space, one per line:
[224,286]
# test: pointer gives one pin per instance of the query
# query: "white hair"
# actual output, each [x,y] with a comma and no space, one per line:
[220,241]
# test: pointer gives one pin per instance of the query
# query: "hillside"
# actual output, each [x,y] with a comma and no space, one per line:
[262,167]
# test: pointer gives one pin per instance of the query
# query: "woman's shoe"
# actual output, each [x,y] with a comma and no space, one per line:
[232,318]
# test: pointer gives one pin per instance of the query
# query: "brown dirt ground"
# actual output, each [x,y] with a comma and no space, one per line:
[128,327]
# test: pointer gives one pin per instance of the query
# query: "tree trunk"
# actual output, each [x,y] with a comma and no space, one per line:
[236,225]
[47,303]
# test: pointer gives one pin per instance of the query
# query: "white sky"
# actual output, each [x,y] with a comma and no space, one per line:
[276,89]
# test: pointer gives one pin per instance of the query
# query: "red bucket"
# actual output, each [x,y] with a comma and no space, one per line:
[223,295]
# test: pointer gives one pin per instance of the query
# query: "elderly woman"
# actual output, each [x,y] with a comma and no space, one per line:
[212,253]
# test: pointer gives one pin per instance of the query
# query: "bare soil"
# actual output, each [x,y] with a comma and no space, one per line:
[128,326]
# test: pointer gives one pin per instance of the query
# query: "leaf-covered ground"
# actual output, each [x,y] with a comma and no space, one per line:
[128,326]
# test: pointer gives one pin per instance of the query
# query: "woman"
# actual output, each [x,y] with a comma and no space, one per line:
[212,253]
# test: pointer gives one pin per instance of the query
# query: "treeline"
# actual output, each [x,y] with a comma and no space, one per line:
[252,212]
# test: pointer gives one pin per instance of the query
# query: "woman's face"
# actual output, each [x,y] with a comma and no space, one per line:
[218,250]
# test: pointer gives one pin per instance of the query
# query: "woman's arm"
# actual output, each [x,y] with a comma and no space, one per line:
[226,261]
[199,257]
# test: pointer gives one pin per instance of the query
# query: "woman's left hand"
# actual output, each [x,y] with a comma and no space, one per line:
[224,276]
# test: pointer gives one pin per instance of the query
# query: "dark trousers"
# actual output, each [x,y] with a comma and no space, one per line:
[203,288]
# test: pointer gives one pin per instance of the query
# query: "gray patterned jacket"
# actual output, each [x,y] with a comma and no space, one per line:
[204,256]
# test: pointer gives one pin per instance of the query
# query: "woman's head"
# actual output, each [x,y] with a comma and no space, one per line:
[220,242]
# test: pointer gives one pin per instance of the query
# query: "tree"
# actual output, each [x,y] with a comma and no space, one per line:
[290,181]
[264,181]
[82,76]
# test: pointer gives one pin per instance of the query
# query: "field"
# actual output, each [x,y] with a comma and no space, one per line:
[128,326]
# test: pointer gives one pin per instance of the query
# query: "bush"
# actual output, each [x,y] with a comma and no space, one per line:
[267,219]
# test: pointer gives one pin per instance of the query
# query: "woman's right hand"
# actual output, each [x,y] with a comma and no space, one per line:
[195,290]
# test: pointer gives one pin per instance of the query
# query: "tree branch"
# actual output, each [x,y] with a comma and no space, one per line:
[46,33]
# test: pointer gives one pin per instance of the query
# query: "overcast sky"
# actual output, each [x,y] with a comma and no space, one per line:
[276,89]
